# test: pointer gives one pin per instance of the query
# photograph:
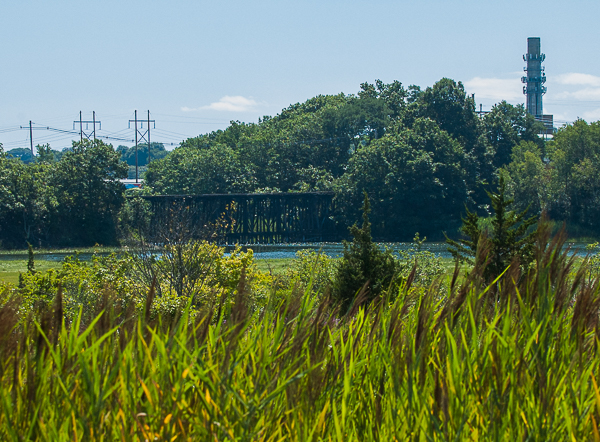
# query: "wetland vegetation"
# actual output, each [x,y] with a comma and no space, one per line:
[208,347]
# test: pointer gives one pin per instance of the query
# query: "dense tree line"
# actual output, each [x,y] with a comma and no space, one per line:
[560,177]
[74,201]
[423,157]
[27,156]
[128,154]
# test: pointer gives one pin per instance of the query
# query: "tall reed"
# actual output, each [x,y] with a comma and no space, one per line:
[514,360]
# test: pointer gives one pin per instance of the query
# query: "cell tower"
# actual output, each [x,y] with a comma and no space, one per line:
[534,81]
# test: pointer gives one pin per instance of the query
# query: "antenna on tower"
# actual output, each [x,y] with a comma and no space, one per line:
[534,81]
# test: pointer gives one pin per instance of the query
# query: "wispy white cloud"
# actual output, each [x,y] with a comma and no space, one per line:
[497,89]
[578,79]
[228,103]
[586,94]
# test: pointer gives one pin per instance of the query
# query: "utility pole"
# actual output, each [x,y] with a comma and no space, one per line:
[31,129]
[149,159]
[136,144]
[93,122]
[31,138]
[143,136]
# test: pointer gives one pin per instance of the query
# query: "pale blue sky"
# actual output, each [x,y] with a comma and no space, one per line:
[196,65]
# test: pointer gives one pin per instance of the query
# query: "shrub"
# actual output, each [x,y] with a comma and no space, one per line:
[313,269]
[363,264]
[426,264]
[83,285]
[195,271]
[418,369]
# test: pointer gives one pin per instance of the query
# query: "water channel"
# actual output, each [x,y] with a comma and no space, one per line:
[282,251]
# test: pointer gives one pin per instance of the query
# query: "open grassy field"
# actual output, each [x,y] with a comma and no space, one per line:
[9,270]
[63,251]
[10,267]
[274,266]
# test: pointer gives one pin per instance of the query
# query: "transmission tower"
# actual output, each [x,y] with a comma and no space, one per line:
[141,135]
[81,122]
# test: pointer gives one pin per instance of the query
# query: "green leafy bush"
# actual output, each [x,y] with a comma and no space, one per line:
[197,272]
[510,238]
[427,266]
[312,269]
[83,285]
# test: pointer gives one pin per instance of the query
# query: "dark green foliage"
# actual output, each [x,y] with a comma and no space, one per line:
[21,153]
[574,161]
[416,178]
[447,103]
[506,126]
[215,169]
[44,154]
[510,239]
[465,249]
[363,264]
[157,151]
[527,178]
[421,155]
[560,178]
[25,200]
[134,218]
[73,201]
[85,184]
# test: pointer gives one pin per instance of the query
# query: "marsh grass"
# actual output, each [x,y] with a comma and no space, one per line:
[9,270]
[70,251]
[276,266]
[462,360]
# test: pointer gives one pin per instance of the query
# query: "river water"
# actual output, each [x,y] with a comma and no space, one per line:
[281,251]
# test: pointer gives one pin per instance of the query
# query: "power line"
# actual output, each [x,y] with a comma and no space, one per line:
[10,129]
[104,137]
[173,134]
[218,120]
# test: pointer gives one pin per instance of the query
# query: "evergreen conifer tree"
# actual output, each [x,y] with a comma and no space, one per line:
[363,262]
[30,262]
[509,237]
